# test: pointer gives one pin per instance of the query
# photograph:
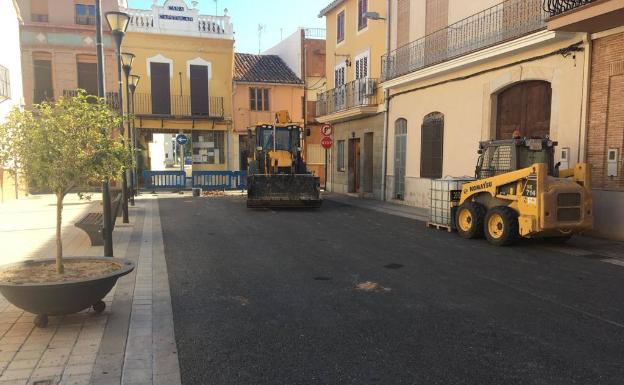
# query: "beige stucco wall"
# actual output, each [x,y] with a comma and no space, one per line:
[467,108]
[281,97]
[371,38]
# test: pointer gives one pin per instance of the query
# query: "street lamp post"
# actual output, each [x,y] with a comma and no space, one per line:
[106,203]
[118,23]
[132,85]
[126,63]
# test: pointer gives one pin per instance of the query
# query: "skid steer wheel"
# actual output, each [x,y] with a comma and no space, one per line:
[501,226]
[469,220]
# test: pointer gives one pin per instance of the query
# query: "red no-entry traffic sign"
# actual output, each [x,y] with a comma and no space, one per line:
[326,130]
[327,142]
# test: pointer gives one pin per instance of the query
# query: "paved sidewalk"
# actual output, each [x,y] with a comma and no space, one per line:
[131,342]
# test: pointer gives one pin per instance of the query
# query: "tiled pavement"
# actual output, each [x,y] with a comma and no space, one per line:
[132,342]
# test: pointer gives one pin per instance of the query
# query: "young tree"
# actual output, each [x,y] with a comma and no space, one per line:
[65,145]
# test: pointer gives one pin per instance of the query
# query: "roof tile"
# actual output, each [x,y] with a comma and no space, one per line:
[263,69]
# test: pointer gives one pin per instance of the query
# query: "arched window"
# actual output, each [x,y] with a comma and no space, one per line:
[431,145]
[400,145]
[524,107]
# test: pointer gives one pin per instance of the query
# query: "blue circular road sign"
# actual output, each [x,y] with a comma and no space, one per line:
[181,139]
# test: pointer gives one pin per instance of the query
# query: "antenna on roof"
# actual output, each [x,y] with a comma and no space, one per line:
[216,7]
[261,28]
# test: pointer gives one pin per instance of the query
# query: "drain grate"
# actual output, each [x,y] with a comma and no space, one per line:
[322,278]
[393,266]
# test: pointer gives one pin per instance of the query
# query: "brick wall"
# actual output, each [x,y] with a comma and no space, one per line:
[606,110]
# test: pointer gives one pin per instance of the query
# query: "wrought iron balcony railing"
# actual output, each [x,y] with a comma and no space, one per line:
[358,93]
[112,98]
[178,105]
[505,21]
[314,33]
[557,7]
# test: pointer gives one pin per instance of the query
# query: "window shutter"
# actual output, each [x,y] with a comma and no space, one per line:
[266,99]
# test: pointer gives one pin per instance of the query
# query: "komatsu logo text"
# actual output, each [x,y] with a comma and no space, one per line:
[480,186]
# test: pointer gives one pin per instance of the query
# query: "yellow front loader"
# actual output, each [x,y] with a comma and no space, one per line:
[520,192]
[277,175]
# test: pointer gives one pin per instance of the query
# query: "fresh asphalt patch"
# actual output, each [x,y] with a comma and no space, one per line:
[318,297]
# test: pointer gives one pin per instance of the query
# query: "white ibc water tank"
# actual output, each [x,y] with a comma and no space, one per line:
[441,198]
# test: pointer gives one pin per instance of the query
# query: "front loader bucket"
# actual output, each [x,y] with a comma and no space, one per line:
[299,190]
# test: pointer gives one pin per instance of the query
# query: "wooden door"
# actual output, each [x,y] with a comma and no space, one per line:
[354,165]
[199,90]
[161,92]
[368,162]
[524,107]
[87,77]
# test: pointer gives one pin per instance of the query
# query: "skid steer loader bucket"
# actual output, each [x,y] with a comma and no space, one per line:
[298,190]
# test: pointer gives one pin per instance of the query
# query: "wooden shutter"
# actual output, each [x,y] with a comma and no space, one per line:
[432,145]
[161,92]
[87,74]
[43,80]
[265,97]
[524,107]
[199,90]
[403,22]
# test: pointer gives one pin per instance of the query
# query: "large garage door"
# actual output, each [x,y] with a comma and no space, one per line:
[524,107]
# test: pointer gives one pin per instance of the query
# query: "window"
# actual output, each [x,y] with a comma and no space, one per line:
[259,99]
[362,8]
[340,27]
[39,11]
[340,155]
[87,74]
[339,76]
[5,84]
[43,80]
[431,146]
[208,147]
[361,66]
[85,14]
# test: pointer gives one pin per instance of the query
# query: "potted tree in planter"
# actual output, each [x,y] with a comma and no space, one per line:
[62,146]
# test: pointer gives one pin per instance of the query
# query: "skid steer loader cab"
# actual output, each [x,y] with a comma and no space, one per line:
[520,191]
[277,175]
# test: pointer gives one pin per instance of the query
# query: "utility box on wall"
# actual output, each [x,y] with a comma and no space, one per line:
[612,162]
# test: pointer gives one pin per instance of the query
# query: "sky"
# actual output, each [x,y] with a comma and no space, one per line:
[280,18]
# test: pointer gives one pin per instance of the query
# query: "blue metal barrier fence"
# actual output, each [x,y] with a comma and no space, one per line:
[153,180]
[220,180]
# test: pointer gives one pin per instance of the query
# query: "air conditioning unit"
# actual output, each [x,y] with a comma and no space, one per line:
[370,87]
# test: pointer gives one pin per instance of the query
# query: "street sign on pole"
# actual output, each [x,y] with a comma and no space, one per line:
[181,139]
[327,142]
[326,130]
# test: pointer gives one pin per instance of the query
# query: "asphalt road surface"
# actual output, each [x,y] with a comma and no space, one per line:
[272,297]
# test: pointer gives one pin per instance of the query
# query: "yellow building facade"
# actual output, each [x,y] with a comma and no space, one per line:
[185,62]
[353,101]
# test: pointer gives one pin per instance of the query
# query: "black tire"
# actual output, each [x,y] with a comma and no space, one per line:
[476,212]
[508,226]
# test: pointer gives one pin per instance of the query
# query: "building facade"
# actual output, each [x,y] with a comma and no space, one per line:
[602,24]
[185,62]
[11,94]
[353,101]
[58,49]
[462,72]
[263,85]
[304,53]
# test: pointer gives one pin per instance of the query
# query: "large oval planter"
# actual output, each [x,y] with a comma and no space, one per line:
[60,298]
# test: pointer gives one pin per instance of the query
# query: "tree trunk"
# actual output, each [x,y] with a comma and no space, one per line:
[59,242]
[16,184]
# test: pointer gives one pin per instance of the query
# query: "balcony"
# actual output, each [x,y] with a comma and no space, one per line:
[148,21]
[112,98]
[503,22]
[178,106]
[359,95]
[584,15]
